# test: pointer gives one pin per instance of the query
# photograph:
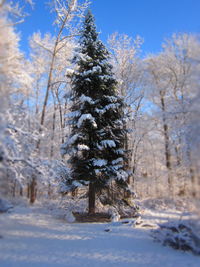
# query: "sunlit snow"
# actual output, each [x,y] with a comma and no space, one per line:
[31,237]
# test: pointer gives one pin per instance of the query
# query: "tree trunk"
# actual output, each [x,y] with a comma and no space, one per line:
[46,101]
[28,190]
[49,190]
[128,158]
[62,122]
[167,143]
[74,193]
[192,175]
[91,200]
[33,190]
[53,131]
[21,191]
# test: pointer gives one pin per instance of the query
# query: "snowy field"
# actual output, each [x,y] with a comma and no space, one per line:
[32,237]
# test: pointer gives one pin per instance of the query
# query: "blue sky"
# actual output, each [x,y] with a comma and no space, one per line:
[153,20]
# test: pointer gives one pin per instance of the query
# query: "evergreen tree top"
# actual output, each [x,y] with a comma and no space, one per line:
[89,26]
[94,72]
[89,41]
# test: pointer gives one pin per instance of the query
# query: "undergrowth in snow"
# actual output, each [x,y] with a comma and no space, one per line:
[180,235]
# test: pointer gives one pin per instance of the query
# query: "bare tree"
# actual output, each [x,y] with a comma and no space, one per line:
[128,69]
[67,13]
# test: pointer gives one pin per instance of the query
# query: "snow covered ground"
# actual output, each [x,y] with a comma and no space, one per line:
[33,237]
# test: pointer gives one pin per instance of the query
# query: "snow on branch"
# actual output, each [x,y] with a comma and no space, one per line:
[73,114]
[99,162]
[83,98]
[113,99]
[25,162]
[67,10]
[82,147]
[108,143]
[118,160]
[69,72]
[122,175]
[73,139]
[113,107]
[86,117]
[120,151]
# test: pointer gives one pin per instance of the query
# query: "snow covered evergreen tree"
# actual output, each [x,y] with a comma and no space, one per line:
[97,137]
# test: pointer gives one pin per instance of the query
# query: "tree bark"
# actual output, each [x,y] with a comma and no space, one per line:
[49,190]
[74,193]
[53,131]
[91,200]
[192,175]
[28,190]
[128,153]
[33,190]
[21,191]
[62,122]
[14,188]
[167,143]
